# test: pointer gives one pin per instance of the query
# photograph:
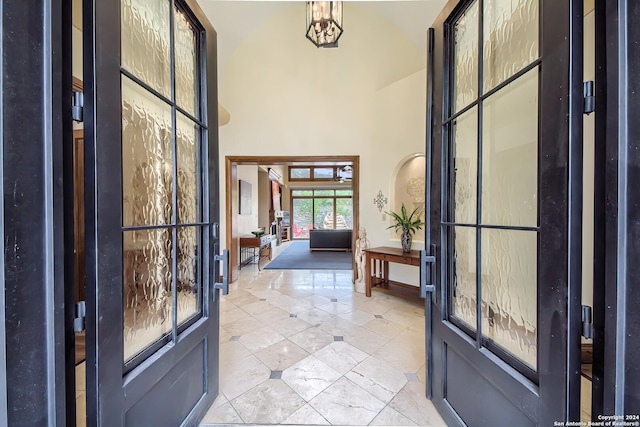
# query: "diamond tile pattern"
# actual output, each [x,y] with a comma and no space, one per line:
[298,356]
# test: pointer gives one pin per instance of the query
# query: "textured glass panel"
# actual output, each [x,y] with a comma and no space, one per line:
[323,213]
[465,56]
[146,157]
[465,161]
[510,154]
[463,282]
[509,291]
[186,77]
[189,191]
[145,42]
[188,273]
[510,38]
[147,288]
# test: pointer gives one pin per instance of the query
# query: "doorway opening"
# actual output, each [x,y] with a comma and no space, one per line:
[233,200]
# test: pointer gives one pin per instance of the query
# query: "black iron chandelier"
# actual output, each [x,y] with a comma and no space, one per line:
[324,22]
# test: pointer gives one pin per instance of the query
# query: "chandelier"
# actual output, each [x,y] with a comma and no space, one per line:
[324,22]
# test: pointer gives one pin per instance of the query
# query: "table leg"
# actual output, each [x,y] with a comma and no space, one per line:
[367,276]
[385,277]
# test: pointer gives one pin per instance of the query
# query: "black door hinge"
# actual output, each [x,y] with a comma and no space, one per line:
[587,322]
[79,319]
[78,106]
[589,98]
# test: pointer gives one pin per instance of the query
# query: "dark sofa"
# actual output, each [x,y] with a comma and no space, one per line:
[329,240]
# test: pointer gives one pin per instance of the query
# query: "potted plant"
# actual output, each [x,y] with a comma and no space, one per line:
[408,223]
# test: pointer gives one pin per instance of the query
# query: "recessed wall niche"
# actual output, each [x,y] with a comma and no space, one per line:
[409,188]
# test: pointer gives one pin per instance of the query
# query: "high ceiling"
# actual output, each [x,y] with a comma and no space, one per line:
[233,20]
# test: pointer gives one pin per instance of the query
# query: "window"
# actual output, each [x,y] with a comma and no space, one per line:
[321,209]
[320,173]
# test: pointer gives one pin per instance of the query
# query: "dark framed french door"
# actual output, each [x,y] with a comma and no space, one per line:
[505,132]
[151,209]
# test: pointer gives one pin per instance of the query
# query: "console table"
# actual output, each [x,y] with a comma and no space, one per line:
[253,249]
[377,270]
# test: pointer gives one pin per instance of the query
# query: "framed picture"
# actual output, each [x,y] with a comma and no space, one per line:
[275,196]
[245,198]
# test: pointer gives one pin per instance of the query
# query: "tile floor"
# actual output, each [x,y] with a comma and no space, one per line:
[300,347]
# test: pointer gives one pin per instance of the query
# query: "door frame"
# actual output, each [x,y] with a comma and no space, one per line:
[557,396]
[617,159]
[231,178]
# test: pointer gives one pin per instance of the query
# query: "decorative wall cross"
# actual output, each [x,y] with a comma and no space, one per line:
[380,201]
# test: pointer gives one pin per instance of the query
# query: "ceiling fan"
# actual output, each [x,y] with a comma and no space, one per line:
[344,173]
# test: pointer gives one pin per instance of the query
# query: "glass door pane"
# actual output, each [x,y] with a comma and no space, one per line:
[510,39]
[344,213]
[464,153]
[463,298]
[509,291]
[323,215]
[465,53]
[510,154]
[147,288]
[146,42]
[302,217]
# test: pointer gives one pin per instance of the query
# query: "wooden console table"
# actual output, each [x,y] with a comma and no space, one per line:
[377,270]
[253,249]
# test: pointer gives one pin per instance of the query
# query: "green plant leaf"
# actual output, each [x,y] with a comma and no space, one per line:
[403,220]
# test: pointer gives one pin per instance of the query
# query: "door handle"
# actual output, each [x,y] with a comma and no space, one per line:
[427,262]
[224,285]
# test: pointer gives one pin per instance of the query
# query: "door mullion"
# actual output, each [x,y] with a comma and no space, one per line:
[479,179]
[174,178]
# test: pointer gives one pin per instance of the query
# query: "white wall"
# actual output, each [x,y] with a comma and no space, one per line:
[247,223]
[367,98]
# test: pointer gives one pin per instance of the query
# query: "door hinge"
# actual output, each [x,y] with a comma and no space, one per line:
[79,319]
[77,109]
[427,264]
[589,98]
[587,322]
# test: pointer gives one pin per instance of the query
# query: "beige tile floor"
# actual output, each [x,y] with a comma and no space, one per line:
[374,376]
[300,347]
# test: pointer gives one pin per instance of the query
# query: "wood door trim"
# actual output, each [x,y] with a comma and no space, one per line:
[76,84]
[231,163]
[78,212]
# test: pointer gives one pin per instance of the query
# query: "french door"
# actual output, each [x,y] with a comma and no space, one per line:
[151,185]
[505,132]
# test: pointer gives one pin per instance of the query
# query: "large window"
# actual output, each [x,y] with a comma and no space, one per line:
[321,209]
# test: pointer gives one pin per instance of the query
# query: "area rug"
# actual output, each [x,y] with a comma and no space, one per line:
[298,257]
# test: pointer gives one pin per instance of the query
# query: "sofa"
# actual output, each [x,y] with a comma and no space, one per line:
[329,240]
